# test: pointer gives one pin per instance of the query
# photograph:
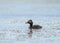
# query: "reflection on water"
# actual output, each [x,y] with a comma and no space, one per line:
[14,30]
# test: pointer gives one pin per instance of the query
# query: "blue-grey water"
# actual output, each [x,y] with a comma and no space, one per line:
[14,30]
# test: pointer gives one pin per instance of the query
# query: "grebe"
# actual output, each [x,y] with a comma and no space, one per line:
[33,26]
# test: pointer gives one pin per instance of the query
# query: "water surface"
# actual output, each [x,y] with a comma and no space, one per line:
[14,30]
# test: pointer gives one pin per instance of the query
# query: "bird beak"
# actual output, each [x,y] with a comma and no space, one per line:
[26,22]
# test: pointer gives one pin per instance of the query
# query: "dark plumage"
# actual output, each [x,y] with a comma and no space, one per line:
[33,26]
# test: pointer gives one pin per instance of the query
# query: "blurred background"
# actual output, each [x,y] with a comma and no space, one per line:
[29,7]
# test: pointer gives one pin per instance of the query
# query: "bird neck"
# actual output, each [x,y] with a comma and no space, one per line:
[31,25]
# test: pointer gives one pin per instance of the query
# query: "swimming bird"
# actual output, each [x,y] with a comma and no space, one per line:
[30,22]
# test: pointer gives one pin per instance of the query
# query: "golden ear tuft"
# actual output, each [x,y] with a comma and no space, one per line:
[30,21]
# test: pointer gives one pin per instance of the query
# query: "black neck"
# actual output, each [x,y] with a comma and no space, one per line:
[31,25]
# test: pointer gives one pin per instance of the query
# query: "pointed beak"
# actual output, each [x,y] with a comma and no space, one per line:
[26,22]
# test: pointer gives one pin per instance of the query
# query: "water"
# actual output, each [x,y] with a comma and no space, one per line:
[14,30]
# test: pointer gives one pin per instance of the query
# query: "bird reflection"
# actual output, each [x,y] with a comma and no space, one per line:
[30,32]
